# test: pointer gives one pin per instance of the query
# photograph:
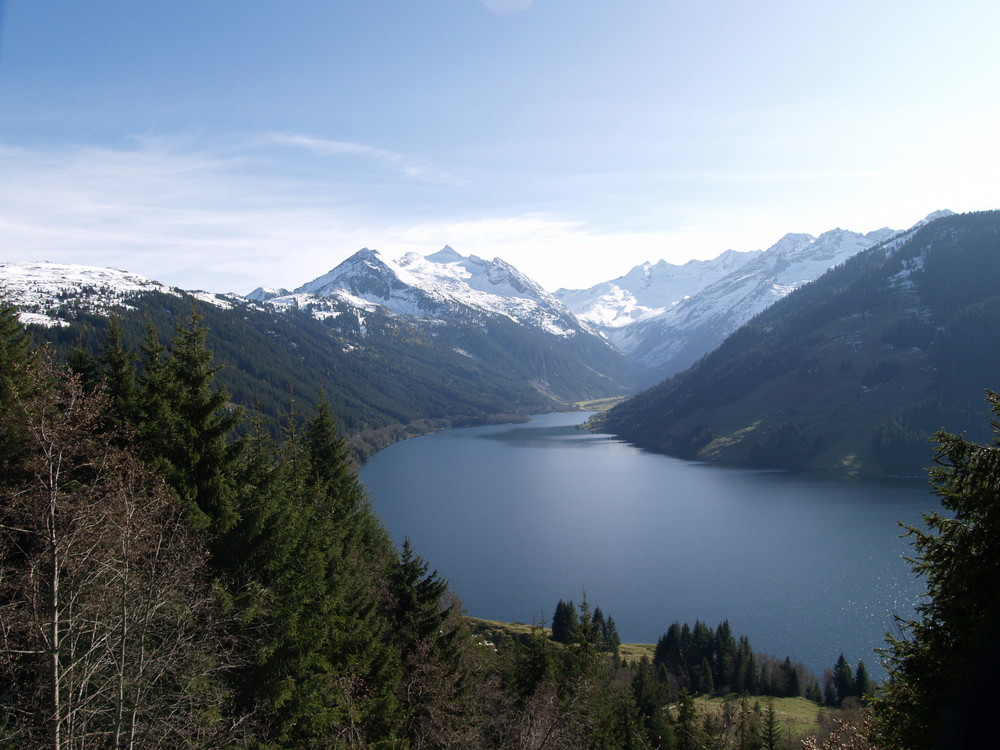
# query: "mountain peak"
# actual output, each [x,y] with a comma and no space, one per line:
[446,254]
[264,293]
[939,214]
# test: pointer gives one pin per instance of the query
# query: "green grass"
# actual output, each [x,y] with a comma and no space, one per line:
[635,651]
[799,717]
[513,629]
[600,404]
[520,631]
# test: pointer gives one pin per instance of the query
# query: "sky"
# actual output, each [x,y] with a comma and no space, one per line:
[231,144]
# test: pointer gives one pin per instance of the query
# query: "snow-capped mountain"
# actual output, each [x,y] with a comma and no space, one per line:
[648,290]
[666,317]
[442,337]
[264,293]
[677,337]
[46,292]
[442,286]
[851,374]
[658,318]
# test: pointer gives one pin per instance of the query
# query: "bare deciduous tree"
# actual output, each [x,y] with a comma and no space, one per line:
[105,613]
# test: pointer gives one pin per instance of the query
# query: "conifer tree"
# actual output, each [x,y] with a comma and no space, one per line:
[310,564]
[942,672]
[862,682]
[725,656]
[771,729]
[186,424]
[425,624]
[650,699]
[688,734]
[746,667]
[669,655]
[565,623]
[748,721]
[610,636]
[85,366]
[842,681]
[17,362]
[706,681]
[118,370]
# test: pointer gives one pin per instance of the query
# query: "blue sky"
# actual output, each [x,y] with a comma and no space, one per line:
[235,143]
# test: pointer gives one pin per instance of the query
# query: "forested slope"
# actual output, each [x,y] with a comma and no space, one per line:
[852,373]
[385,377]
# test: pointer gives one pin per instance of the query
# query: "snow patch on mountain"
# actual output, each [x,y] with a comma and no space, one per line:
[41,289]
[438,286]
[648,290]
[665,317]
[265,293]
[696,325]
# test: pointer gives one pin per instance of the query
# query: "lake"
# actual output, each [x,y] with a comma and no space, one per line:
[517,517]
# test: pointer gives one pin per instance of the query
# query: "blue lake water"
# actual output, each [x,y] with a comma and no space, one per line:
[517,517]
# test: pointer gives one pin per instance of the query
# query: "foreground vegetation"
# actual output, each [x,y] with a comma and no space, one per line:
[173,576]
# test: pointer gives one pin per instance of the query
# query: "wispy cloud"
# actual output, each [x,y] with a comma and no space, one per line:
[183,217]
[238,213]
[219,220]
[409,166]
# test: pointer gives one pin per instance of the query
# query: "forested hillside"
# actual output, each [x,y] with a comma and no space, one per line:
[850,374]
[385,377]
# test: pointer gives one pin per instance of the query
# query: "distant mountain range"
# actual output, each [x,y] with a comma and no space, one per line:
[420,342]
[849,374]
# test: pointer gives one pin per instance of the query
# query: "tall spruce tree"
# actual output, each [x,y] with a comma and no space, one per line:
[771,729]
[186,424]
[310,564]
[565,623]
[842,680]
[942,689]
[118,371]
[650,699]
[862,682]
[426,625]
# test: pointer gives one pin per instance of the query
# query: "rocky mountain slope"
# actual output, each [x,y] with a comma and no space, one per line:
[851,373]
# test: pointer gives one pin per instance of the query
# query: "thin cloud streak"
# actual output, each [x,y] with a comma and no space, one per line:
[400,163]
[200,221]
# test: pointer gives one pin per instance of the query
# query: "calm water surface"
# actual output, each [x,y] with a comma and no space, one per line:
[517,517]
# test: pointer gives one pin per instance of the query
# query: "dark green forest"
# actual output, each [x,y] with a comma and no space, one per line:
[174,574]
